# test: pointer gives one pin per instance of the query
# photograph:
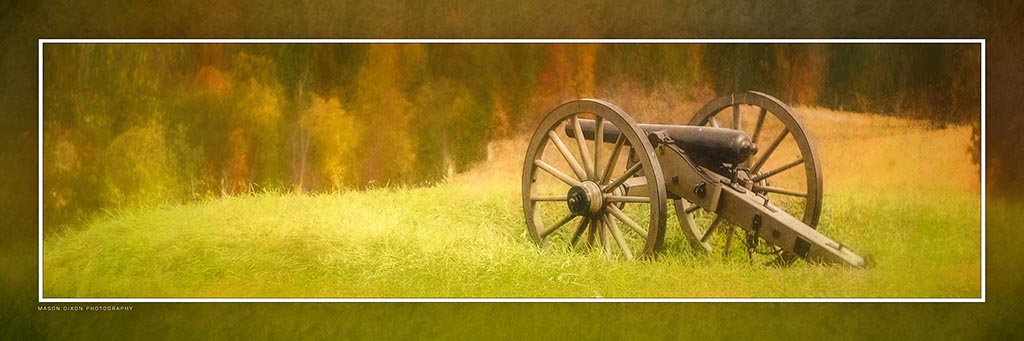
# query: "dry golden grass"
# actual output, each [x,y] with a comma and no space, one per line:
[864,151]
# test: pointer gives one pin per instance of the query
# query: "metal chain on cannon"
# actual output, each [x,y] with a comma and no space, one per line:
[756,246]
[754,243]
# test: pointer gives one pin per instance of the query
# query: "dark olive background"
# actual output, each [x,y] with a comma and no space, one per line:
[22,23]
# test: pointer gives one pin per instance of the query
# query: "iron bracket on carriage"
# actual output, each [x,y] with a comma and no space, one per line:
[743,168]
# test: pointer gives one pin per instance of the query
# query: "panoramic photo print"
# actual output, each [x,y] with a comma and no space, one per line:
[557,170]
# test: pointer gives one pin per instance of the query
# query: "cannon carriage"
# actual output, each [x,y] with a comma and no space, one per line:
[742,173]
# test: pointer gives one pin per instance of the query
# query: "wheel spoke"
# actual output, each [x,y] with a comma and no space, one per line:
[760,123]
[778,190]
[769,151]
[555,172]
[564,220]
[579,231]
[635,182]
[597,160]
[614,229]
[777,170]
[693,207]
[591,233]
[728,239]
[619,180]
[636,186]
[626,220]
[736,117]
[625,198]
[711,229]
[614,157]
[603,234]
[755,111]
[571,160]
[598,142]
[588,164]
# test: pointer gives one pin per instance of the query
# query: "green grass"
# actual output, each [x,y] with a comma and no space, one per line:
[900,197]
[460,241]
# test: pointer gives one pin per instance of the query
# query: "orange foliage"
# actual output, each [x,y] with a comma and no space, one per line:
[586,61]
[502,125]
[211,54]
[568,73]
[801,71]
[403,113]
[555,76]
[211,79]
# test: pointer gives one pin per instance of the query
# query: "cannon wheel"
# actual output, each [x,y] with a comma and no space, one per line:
[768,108]
[586,192]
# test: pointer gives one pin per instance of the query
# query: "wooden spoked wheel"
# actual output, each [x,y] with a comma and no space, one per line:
[786,169]
[575,189]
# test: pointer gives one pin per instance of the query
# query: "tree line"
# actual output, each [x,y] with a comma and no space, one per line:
[128,125]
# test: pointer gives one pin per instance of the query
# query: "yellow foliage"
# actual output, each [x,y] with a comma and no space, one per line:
[137,169]
[260,104]
[333,137]
[389,152]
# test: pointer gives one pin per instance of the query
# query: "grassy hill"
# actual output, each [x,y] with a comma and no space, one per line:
[897,190]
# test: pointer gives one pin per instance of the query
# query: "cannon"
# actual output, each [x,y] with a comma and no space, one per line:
[743,167]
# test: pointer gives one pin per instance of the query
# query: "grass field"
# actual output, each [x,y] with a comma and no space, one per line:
[897,190]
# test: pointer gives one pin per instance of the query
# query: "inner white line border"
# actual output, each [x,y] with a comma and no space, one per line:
[42,42]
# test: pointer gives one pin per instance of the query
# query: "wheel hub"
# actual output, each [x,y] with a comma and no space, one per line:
[585,199]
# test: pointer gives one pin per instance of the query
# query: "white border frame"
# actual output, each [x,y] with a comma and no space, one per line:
[43,299]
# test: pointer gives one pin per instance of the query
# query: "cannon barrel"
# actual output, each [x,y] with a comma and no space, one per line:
[708,146]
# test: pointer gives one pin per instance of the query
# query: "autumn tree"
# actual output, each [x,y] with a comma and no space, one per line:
[249,133]
[447,104]
[140,124]
[387,153]
[334,136]
[137,169]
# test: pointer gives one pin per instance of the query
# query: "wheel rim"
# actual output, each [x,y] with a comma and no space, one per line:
[784,145]
[573,188]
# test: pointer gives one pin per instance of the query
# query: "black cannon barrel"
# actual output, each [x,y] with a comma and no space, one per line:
[707,145]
